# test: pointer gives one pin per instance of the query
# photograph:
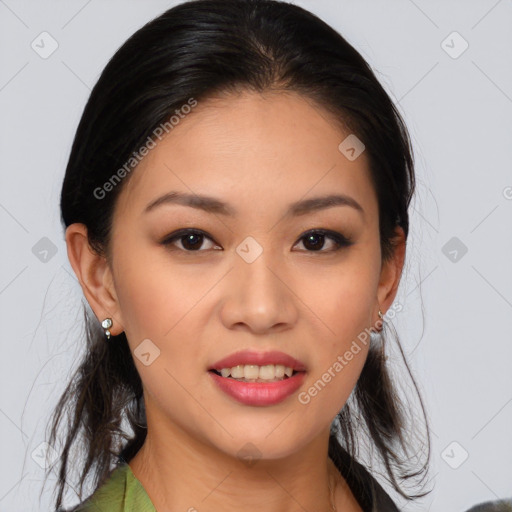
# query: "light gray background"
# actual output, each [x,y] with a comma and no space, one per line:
[455,325]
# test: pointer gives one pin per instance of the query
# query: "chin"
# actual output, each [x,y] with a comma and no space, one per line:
[256,444]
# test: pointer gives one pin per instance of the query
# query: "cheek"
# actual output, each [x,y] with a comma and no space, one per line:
[158,304]
[147,301]
[153,296]
[351,308]
[344,300]
[163,304]
[344,303]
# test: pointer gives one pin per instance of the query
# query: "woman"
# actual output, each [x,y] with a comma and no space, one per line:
[235,207]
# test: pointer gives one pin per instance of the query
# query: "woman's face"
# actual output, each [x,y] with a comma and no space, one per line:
[252,279]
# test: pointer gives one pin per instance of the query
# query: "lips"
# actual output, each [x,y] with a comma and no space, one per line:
[245,357]
[258,394]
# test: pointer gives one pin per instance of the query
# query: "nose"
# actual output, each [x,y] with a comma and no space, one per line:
[259,296]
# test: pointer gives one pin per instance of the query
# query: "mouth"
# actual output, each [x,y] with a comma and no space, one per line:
[258,392]
[258,379]
[254,373]
[254,366]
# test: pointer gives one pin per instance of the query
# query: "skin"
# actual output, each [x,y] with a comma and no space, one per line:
[258,153]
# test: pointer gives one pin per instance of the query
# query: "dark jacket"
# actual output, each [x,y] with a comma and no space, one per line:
[493,506]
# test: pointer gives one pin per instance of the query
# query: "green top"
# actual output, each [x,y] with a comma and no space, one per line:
[122,492]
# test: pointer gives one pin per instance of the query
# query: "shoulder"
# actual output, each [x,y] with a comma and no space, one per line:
[380,501]
[369,494]
[493,506]
[109,496]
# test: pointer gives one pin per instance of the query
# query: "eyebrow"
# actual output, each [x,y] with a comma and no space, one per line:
[213,205]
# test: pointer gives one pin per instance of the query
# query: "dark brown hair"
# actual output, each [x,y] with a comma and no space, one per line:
[195,50]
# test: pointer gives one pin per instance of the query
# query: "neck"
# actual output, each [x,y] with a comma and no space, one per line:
[175,481]
[179,472]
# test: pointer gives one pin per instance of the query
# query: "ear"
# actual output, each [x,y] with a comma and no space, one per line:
[391,273]
[95,277]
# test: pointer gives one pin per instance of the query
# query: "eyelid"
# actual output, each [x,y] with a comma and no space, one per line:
[338,238]
[341,240]
[175,235]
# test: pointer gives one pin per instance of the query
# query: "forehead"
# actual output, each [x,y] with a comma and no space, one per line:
[251,149]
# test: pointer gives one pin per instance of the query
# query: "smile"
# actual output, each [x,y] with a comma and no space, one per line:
[258,393]
[255,373]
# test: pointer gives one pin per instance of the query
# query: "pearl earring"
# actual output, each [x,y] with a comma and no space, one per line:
[107,324]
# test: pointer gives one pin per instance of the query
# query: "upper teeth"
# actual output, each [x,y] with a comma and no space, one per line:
[252,371]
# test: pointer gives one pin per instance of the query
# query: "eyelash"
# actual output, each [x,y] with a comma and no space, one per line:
[340,240]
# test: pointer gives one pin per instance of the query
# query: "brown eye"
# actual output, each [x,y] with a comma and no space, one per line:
[314,241]
[191,240]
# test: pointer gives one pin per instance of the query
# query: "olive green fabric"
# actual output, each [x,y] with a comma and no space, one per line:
[122,492]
